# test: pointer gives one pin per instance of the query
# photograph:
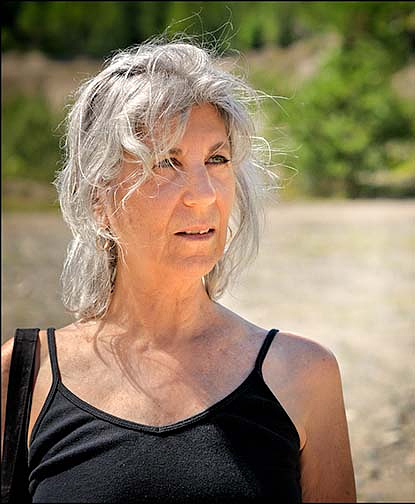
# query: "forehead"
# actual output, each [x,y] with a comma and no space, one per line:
[204,126]
[205,114]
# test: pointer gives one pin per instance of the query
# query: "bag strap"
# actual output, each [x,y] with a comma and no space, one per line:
[14,470]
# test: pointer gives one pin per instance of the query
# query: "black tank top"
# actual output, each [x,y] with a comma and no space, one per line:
[244,448]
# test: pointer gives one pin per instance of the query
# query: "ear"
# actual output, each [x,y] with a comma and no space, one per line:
[99,207]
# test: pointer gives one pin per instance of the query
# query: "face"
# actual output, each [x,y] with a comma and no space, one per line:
[155,223]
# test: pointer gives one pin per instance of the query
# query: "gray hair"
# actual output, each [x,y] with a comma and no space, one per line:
[139,91]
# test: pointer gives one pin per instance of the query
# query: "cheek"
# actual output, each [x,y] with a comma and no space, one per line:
[225,190]
[128,219]
[145,213]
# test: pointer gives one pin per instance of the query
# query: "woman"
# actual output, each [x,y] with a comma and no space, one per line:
[157,392]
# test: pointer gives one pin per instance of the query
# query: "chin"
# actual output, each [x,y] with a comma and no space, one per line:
[196,267]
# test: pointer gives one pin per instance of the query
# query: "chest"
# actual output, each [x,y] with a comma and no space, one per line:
[150,388]
[159,396]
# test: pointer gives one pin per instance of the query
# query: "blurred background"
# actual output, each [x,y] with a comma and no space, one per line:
[337,261]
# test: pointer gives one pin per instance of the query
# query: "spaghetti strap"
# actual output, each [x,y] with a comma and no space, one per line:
[53,355]
[264,349]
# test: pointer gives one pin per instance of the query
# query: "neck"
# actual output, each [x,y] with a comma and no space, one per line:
[162,314]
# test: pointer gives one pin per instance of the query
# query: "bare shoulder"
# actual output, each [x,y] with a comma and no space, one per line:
[305,354]
[6,352]
[6,358]
[304,377]
[309,386]
[299,370]
[301,357]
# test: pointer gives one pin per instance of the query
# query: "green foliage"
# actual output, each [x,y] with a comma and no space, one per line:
[30,141]
[264,23]
[391,24]
[65,29]
[343,119]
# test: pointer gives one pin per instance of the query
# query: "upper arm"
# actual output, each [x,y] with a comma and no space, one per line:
[326,463]
[305,377]
[6,357]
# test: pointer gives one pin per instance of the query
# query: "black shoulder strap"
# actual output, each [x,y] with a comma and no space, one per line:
[53,356]
[14,467]
[264,349]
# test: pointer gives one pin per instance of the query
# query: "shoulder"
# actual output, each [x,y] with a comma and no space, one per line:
[7,352]
[304,357]
[42,356]
[300,371]
[6,358]
[309,385]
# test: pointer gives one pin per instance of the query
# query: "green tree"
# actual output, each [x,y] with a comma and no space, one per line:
[66,29]
[30,141]
[343,118]
[391,24]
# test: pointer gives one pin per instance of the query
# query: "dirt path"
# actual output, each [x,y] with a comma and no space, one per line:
[341,273]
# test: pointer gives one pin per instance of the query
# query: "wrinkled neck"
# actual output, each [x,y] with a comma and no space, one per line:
[161,312]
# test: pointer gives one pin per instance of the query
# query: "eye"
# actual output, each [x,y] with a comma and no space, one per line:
[168,163]
[218,159]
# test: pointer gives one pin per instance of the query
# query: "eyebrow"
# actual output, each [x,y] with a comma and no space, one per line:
[212,149]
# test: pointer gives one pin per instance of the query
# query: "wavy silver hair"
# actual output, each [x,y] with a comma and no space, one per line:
[137,93]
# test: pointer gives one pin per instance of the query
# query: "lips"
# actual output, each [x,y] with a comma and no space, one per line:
[196,237]
[196,230]
[196,234]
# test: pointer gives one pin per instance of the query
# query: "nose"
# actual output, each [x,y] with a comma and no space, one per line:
[198,188]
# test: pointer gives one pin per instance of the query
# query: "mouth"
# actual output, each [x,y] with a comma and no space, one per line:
[196,234]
